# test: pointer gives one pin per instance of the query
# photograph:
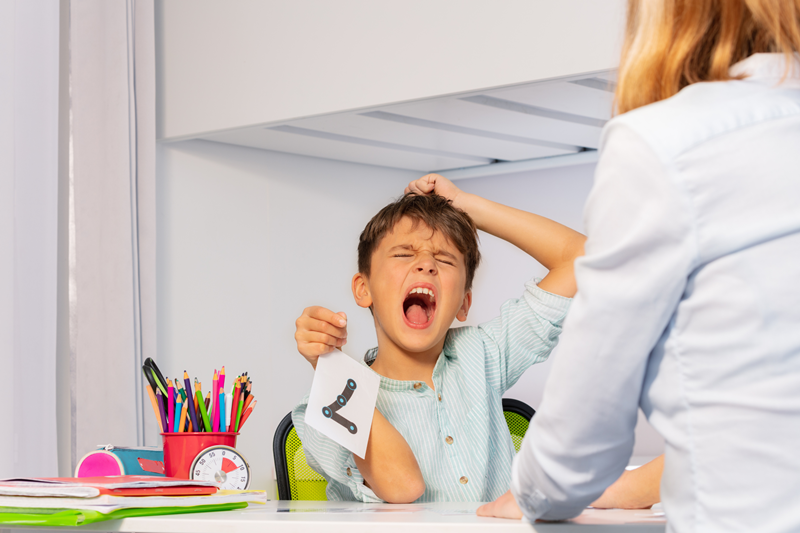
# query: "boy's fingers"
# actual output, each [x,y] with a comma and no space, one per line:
[320,313]
[313,337]
[325,327]
[316,349]
[423,185]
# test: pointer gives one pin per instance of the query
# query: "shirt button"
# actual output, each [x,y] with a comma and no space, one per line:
[449,440]
[440,397]
[349,473]
[463,480]
[417,385]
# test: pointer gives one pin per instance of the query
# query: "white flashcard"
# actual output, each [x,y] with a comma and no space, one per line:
[342,401]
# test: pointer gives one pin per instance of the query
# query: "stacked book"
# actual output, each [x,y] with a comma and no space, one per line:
[78,501]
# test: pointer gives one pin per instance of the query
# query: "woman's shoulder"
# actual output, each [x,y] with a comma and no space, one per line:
[700,113]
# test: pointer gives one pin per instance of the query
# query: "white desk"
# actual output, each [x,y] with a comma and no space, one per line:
[347,517]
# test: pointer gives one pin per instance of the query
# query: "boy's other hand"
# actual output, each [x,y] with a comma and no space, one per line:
[319,331]
[503,507]
[434,183]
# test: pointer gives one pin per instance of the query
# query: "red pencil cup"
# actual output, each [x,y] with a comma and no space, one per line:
[180,449]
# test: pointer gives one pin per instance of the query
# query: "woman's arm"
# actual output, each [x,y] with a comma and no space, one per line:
[554,245]
[640,253]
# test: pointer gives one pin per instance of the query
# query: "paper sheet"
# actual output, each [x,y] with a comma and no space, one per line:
[342,401]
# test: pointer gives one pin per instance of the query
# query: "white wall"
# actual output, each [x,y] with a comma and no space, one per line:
[232,64]
[248,238]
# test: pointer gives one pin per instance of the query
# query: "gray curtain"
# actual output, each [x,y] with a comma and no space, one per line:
[112,304]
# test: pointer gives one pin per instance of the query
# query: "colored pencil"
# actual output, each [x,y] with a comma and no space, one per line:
[184,410]
[215,402]
[163,415]
[221,410]
[179,390]
[178,410]
[247,403]
[239,405]
[222,378]
[190,401]
[247,415]
[248,389]
[155,405]
[234,405]
[203,414]
[208,401]
[170,406]
[198,387]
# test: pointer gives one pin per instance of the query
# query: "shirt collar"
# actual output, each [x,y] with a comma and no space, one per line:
[448,351]
[767,66]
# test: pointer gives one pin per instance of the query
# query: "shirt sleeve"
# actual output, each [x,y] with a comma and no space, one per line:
[332,461]
[525,333]
[639,253]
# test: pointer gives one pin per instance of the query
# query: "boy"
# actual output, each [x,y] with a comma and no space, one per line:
[438,431]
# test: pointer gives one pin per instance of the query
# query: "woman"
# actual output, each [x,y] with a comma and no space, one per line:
[688,299]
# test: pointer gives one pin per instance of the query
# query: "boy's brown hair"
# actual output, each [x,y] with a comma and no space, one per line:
[436,212]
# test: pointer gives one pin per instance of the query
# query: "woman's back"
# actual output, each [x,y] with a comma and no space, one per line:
[724,380]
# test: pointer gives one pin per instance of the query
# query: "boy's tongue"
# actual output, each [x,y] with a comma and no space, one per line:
[417,314]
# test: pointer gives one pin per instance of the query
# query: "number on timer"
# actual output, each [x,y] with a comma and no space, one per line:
[224,465]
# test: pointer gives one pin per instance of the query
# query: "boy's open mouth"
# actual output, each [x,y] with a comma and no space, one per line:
[419,307]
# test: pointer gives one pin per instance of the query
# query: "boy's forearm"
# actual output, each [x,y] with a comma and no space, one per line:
[552,244]
[389,466]
[635,489]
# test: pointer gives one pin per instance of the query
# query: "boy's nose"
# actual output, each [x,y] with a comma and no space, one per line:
[427,265]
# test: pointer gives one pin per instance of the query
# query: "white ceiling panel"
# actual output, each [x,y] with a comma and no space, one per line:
[512,124]
[502,121]
[565,96]
[302,141]
[396,129]
[609,76]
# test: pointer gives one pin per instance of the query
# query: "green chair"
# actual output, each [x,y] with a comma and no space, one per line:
[296,480]
[518,416]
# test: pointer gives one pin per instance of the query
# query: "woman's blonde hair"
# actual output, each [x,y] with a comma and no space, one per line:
[670,44]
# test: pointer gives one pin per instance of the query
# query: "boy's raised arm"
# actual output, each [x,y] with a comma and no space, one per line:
[553,245]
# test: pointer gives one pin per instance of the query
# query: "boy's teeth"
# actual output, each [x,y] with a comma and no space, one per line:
[423,290]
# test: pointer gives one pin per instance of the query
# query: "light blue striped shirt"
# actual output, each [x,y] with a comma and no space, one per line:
[457,432]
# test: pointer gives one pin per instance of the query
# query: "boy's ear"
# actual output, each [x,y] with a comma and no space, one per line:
[461,316]
[361,290]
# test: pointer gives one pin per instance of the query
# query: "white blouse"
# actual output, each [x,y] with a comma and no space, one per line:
[688,305]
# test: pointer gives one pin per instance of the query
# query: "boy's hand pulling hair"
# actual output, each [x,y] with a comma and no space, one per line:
[319,331]
[434,183]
